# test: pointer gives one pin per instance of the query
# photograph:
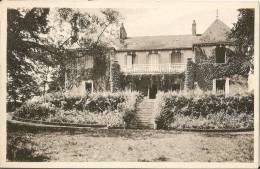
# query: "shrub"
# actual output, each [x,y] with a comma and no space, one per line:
[107,108]
[21,148]
[204,110]
[36,111]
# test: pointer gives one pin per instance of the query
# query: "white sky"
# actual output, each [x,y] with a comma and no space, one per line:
[174,20]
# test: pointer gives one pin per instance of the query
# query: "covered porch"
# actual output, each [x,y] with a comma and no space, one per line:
[150,85]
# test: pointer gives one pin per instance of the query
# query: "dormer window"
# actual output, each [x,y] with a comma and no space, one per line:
[220,54]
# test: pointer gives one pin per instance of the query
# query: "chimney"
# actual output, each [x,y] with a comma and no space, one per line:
[194,28]
[123,34]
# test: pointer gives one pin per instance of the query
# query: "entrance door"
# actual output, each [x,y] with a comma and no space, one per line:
[152,91]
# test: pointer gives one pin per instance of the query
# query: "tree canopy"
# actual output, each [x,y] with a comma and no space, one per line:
[23,42]
[243,33]
[35,43]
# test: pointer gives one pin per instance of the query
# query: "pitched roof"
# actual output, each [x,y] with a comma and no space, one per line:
[157,42]
[216,32]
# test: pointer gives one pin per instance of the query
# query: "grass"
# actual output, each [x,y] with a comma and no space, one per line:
[141,146]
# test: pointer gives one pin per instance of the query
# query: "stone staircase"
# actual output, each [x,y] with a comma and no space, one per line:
[144,115]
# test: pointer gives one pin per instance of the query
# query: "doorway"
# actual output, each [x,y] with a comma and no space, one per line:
[152,91]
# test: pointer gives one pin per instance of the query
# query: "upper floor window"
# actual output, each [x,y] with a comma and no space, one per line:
[220,54]
[130,58]
[176,57]
[133,58]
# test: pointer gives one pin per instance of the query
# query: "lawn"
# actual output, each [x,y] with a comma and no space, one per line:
[141,145]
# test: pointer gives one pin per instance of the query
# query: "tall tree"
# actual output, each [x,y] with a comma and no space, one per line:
[34,43]
[243,34]
[81,28]
[23,43]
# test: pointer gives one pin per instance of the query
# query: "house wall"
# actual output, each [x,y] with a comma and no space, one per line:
[207,70]
[82,69]
[164,56]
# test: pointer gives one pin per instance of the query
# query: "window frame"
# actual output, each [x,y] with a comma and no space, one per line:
[216,57]
[92,85]
[174,57]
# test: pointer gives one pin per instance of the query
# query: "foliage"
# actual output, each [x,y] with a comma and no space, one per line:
[88,31]
[206,70]
[204,110]
[23,43]
[243,33]
[35,111]
[35,39]
[116,76]
[21,148]
[105,108]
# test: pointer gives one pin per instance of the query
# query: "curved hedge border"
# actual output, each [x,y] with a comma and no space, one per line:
[58,124]
[204,110]
[215,130]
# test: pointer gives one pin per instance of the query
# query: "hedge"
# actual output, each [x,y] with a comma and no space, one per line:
[111,109]
[204,111]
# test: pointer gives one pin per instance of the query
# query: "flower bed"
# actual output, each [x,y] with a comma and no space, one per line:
[204,111]
[110,109]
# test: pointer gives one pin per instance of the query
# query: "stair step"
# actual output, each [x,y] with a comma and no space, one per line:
[145,115]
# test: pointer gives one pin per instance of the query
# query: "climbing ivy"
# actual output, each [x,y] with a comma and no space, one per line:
[206,70]
[99,73]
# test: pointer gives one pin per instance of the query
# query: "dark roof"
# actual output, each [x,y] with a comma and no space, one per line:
[216,33]
[157,42]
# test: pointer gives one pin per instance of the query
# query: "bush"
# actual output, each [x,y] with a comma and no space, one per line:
[21,148]
[182,110]
[36,111]
[105,108]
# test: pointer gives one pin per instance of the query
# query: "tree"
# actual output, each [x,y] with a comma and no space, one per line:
[243,34]
[86,30]
[24,41]
[36,48]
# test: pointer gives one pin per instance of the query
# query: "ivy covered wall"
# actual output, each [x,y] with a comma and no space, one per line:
[77,72]
[206,68]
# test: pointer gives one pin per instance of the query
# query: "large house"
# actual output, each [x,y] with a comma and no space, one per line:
[163,63]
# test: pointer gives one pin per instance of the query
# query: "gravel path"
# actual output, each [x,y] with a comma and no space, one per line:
[143,145]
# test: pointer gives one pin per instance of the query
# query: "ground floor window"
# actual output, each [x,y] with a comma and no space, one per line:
[221,86]
[89,86]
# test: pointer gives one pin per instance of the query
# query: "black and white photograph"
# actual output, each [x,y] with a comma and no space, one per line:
[167,82]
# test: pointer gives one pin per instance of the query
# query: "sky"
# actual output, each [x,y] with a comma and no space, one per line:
[151,18]
[174,20]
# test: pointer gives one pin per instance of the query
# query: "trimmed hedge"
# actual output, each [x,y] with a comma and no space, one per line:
[204,111]
[111,109]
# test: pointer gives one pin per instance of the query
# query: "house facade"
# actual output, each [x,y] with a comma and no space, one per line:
[150,64]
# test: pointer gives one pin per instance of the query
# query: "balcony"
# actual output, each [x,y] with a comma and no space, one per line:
[154,68]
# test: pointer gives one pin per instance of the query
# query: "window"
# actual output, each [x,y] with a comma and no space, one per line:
[220,54]
[88,62]
[133,58]
[148,59]
[176,57]
[176,87]
[89,86]
[220,86]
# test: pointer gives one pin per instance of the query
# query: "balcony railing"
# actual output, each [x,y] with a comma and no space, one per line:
[154,68]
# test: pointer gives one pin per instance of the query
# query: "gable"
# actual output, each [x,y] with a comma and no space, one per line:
[216,32]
